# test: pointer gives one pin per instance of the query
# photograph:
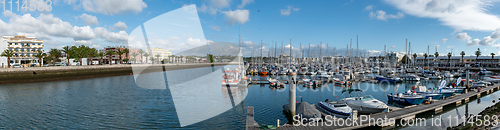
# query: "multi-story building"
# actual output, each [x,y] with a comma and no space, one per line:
[163,53]
[114,58]
[24,48]
[485,61]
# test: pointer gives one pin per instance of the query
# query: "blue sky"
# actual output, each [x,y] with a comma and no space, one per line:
[466,25]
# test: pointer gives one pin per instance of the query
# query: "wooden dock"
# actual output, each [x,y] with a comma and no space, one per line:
[397,114]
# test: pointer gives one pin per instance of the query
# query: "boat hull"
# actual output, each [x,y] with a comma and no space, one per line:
[405,101]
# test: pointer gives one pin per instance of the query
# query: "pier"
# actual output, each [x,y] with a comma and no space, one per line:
[395,113]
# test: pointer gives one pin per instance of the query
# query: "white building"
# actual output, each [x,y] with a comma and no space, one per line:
[24,48]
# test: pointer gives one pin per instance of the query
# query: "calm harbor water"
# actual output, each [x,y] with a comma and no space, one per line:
[117,102]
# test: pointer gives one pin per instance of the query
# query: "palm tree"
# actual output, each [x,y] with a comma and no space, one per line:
[67,50]
[478,53]
[146,55]
[40,55]
[414,58]
[449,57]
[158,57]
[134,55]
[110,53]
[101,55]
[141,52]
[7,53]
[171,58]
[462,53]
[152,60]
[54,53]
[92,52]
[81,52]
[425,56]
[492,56]
[120,53]
[126,51]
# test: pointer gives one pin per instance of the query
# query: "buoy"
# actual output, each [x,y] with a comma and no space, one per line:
[130,73]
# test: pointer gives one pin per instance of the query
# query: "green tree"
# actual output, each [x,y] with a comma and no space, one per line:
[414,58]
[134,55]
[146,55]
[7,53]
[492,57]
[54,53]
[478,53]
[141,52]
[404,60]
[110,53]
[210,58]
[120,52]
[152,60]
[158,57]
[463,54]
[425,57]
[91,53]
[40,55]
[101,55]
[80,52]
[126,51]
[67,50]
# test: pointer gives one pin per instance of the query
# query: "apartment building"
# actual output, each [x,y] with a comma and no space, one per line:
[24,48]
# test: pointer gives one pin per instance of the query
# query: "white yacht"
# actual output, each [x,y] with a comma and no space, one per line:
[364,104]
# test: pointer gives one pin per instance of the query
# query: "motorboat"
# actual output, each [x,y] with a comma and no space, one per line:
[388,79]
[230,78]
[447,74]
[309,82]
[434,96]
[432,76]
[275,83]
[335,108]
[338,81]
[485,72]
[364,104]
[424,90]
[489,79]
[321,75]
[406,98]
[409,77]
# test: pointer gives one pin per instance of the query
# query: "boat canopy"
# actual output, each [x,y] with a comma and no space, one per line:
[351,90]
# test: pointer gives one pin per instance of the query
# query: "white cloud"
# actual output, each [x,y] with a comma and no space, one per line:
[214,6]
[444,40]
[216,28]
[120,37]
[89,19]
[368,8]
[244,2]
[458,14]
[450,46]
[109,7]
[393,47]
[240,16]
[82,42]
[288,10]
[382,15]
[463,36]
[120,25]
[488,40]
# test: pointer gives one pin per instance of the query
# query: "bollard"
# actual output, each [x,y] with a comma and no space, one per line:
[278,123]
[291,97]
[354,114]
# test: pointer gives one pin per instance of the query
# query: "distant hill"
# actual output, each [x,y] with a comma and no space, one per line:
[217,48]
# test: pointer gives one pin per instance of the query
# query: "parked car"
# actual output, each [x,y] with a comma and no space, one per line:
[33,65]
[17,66]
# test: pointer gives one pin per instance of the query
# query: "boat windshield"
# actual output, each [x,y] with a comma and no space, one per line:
[366,98]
